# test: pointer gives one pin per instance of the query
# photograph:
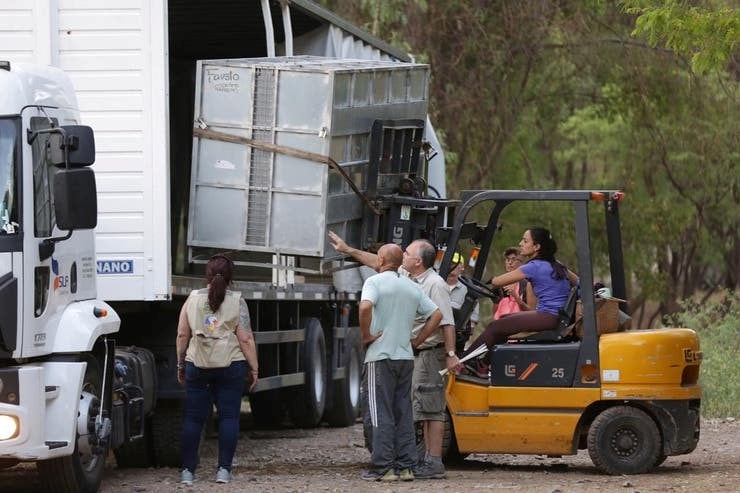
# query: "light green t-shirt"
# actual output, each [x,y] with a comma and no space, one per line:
[397,301]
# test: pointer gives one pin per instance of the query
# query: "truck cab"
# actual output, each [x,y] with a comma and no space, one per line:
[53,330]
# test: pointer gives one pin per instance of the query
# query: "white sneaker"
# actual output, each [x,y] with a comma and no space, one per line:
[187,477]
[223,475]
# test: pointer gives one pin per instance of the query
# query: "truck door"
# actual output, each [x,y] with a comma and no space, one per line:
[61,271]
[11,241]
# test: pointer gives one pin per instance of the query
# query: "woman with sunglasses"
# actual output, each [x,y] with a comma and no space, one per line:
[215,349]
[517,294]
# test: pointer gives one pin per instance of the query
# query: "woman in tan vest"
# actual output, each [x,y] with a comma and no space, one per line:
[215,349]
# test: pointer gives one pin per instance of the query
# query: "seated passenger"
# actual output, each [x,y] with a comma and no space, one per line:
[551,282]
[517,295]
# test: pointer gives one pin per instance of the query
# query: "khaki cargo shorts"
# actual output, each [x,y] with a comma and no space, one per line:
[429,386]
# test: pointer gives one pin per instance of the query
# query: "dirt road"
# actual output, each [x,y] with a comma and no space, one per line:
[331,460]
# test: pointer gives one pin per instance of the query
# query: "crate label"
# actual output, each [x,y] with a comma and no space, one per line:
[222,80]
[224,164]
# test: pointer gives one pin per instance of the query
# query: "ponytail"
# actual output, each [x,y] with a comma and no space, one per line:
[548,248]
[219,270]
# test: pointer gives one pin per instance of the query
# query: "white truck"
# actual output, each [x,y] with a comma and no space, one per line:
[57,401]
[133,68]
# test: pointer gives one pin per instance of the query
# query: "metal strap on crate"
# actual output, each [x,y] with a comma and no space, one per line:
[288,151]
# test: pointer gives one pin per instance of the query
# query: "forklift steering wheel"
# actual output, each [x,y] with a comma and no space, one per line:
[482,289]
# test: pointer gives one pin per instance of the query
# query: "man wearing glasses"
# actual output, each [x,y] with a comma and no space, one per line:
[434,348]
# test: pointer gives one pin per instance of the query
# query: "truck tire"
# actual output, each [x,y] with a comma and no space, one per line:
[167,433]
[308,407]
[345,405]
[624,440]
[83,470]
[138,453]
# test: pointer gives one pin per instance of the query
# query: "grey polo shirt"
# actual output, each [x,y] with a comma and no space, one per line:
[457,298]
[436,288]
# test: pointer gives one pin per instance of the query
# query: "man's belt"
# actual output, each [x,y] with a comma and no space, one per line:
[417,351]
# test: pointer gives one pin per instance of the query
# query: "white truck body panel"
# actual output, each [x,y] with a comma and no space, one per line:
[116,55]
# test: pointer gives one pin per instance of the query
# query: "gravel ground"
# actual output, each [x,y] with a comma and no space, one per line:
[331,460]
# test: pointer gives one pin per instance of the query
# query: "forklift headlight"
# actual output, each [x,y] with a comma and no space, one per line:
[8,427]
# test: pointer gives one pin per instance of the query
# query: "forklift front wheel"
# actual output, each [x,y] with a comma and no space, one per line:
[624,440]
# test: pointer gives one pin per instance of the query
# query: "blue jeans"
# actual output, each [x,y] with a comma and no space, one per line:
[206,386]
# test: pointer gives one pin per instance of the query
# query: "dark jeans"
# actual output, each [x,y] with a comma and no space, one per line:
[206,386]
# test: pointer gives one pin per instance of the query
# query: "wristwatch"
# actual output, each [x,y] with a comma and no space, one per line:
[450,354]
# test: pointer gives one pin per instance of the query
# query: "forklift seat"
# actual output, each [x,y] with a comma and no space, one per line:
[562,333]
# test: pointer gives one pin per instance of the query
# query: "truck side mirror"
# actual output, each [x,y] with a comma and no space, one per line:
[78,141]
[75,199]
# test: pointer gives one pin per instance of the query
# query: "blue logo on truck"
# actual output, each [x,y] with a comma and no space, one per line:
[115,266]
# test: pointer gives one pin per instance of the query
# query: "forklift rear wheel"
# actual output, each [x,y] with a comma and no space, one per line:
[83,470]
[450,453]
[624,440]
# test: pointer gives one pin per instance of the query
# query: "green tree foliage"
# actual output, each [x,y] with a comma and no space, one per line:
[708,32]
[717,323]
[639,96]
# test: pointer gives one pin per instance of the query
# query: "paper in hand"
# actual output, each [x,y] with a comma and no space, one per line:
[478,351]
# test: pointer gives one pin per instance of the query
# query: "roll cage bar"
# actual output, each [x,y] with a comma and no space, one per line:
[483,236]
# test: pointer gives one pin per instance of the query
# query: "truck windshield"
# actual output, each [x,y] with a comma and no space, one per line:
[8,176]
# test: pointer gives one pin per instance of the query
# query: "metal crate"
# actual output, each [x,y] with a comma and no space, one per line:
[248,199]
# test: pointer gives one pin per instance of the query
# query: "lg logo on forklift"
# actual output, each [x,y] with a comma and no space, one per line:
[510,371]
[692,356]
[398,235]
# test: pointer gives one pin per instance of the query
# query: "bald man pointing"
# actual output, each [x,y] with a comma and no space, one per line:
[389,305]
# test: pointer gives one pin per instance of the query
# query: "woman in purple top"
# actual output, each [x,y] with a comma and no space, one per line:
[551,282]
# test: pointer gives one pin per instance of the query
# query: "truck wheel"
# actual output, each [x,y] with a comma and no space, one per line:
[138,453]
[345,406]
[624,440]
[308,407]
[83,470]
[167,432]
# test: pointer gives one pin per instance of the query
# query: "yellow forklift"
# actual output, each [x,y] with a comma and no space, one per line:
[631,398]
